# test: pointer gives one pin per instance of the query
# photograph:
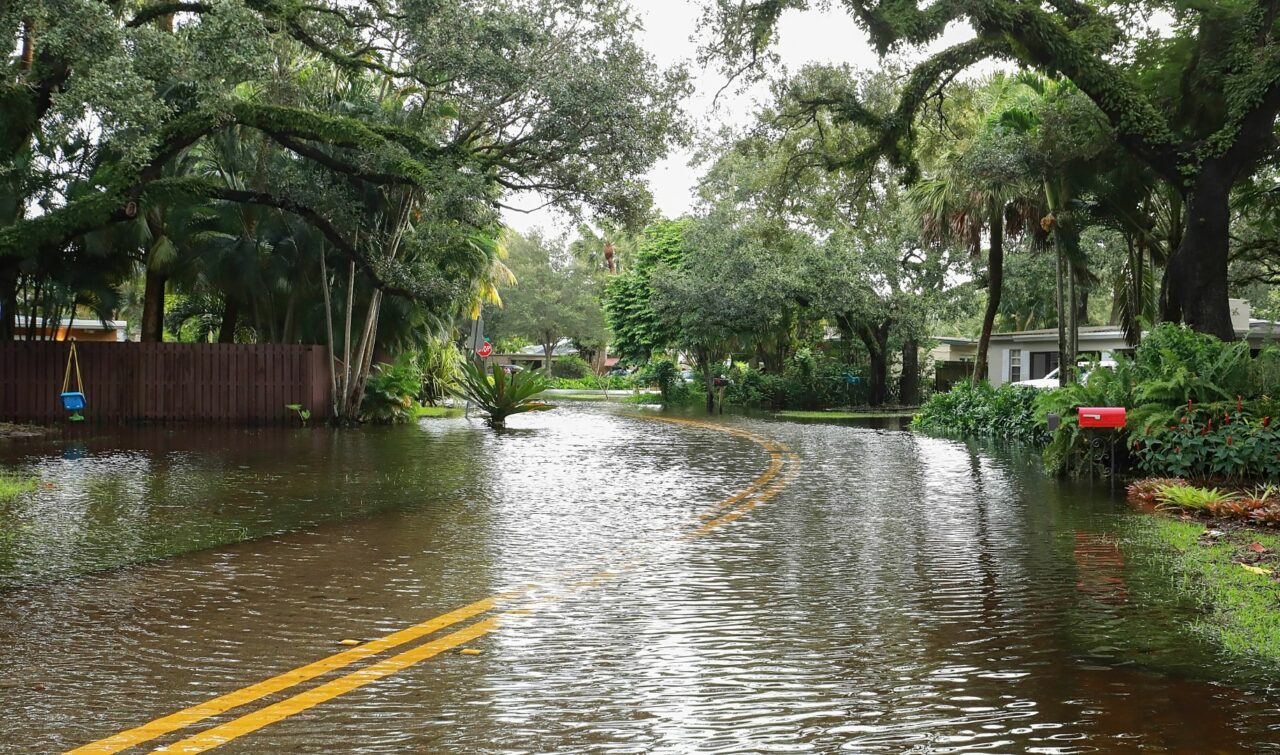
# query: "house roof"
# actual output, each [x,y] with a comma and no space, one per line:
[1087,333]
[24,321]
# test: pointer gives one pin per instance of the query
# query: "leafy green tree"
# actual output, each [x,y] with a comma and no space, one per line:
[377,118]
[554,296]
[1197,105]
[637,329]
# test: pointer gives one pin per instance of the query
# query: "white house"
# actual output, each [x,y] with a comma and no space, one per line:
[1032,354]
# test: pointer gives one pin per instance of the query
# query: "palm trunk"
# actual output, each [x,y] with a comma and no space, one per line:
[995,286]
[328,333]
[153,308]
[230,319]
[8,299]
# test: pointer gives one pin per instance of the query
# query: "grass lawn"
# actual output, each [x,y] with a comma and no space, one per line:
[437,411]
[1233,574]
[843,415]
[12,486]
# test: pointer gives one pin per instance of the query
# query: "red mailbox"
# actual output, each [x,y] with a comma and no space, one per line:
[1105,417]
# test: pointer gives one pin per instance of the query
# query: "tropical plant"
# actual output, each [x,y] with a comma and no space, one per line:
[501,395]
[392,391]
[441,364]
[1144,491]
[1191,497]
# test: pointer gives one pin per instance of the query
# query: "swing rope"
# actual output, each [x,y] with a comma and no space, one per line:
[66,379]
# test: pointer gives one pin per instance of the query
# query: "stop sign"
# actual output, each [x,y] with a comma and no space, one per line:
[485,350]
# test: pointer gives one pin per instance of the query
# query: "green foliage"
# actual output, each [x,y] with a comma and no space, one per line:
[304,415]
[980,411]
[571,366]
[1176,364]
[554,297]
[392,390]
[1209,443]
[501,395]
[637,330]
[592,383]
[663,372]
[441,363]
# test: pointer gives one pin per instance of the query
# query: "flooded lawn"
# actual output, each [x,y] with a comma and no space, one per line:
[629,584]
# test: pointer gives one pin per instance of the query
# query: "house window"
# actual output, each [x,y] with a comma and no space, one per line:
[1042,363]
[1015,365]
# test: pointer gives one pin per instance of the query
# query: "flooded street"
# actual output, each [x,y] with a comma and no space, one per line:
[631,584]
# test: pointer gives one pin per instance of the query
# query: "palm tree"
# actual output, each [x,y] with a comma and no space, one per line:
[952,208]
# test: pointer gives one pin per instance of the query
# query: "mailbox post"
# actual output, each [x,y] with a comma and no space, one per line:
[1104,418]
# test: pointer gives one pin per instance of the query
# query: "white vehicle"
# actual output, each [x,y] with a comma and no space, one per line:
[1050,381]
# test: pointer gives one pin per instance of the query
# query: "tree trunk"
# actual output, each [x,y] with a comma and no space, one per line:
[153,308]
[909,383]
[704,363]
[877,381]
[877,342]
[1060,291]
[995,285]
[1195,289]
[548,351]
[8,299]
[230,319]
[1073,324]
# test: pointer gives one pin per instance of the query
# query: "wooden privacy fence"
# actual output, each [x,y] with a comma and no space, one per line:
[166,382]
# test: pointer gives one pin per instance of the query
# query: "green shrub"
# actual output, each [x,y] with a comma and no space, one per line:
[571,366]
[1175,364]
[391,393]
[592,383]
[663,373]
[441,364]
[980,411]
[1201,443]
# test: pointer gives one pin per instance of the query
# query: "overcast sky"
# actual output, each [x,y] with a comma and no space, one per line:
[813,36]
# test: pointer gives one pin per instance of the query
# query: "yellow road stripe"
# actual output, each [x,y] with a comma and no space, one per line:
[220,735]
[744,509]
[219,705]
[754,494]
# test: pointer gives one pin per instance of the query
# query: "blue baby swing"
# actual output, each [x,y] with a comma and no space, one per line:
[73,401]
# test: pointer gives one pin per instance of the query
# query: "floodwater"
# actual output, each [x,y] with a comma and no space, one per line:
[748,586]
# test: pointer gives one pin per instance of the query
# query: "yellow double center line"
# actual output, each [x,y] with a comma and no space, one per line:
[764,487]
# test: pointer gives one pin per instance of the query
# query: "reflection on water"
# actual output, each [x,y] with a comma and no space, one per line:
[902,594]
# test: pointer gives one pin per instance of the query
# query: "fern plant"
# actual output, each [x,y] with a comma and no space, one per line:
[501,395]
